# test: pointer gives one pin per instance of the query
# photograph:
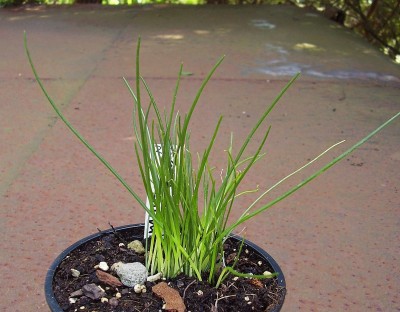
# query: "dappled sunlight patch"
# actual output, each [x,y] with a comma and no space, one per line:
[169,37]
[305,46]
[201,32]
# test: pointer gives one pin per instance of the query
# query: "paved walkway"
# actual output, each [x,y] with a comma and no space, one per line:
[337,241]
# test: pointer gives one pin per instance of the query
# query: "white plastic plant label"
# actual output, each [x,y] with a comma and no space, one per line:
[148,223]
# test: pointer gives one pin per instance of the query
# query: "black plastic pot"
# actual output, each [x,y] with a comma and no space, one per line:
[48,286]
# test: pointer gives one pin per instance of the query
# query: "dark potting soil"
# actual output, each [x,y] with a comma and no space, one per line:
[235,294]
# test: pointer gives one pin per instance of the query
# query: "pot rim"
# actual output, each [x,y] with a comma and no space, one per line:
[48,286]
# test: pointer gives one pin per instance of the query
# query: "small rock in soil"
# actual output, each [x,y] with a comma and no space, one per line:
[77,293]
[108,279]
[139,288]
[104,300]
[75,273]
[154,278]
[72,300]
[130,273]
[93,291]
[103,266]
[172,298]
[137,247]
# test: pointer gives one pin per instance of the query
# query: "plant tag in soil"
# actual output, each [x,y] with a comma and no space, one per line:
[148,222]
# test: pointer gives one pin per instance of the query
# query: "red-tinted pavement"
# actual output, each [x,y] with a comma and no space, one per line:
[337,240]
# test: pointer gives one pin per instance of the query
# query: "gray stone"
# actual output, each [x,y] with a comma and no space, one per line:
[93,291]
[77,293]
[130,274]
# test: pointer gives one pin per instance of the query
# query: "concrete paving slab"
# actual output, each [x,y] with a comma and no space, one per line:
[337,240]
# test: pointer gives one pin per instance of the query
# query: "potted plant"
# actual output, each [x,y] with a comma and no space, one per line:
[186,255]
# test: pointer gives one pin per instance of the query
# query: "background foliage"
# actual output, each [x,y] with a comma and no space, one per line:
[377,20]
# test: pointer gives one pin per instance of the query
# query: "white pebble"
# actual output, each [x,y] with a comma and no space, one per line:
[138,288]
[155,277]
[103,266]
[72,300]
[246,298]
[199,293]
[75,273]
[259,262]
[104,300]
[118,295]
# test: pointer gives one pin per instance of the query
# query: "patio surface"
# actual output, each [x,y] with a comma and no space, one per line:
[337,241]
